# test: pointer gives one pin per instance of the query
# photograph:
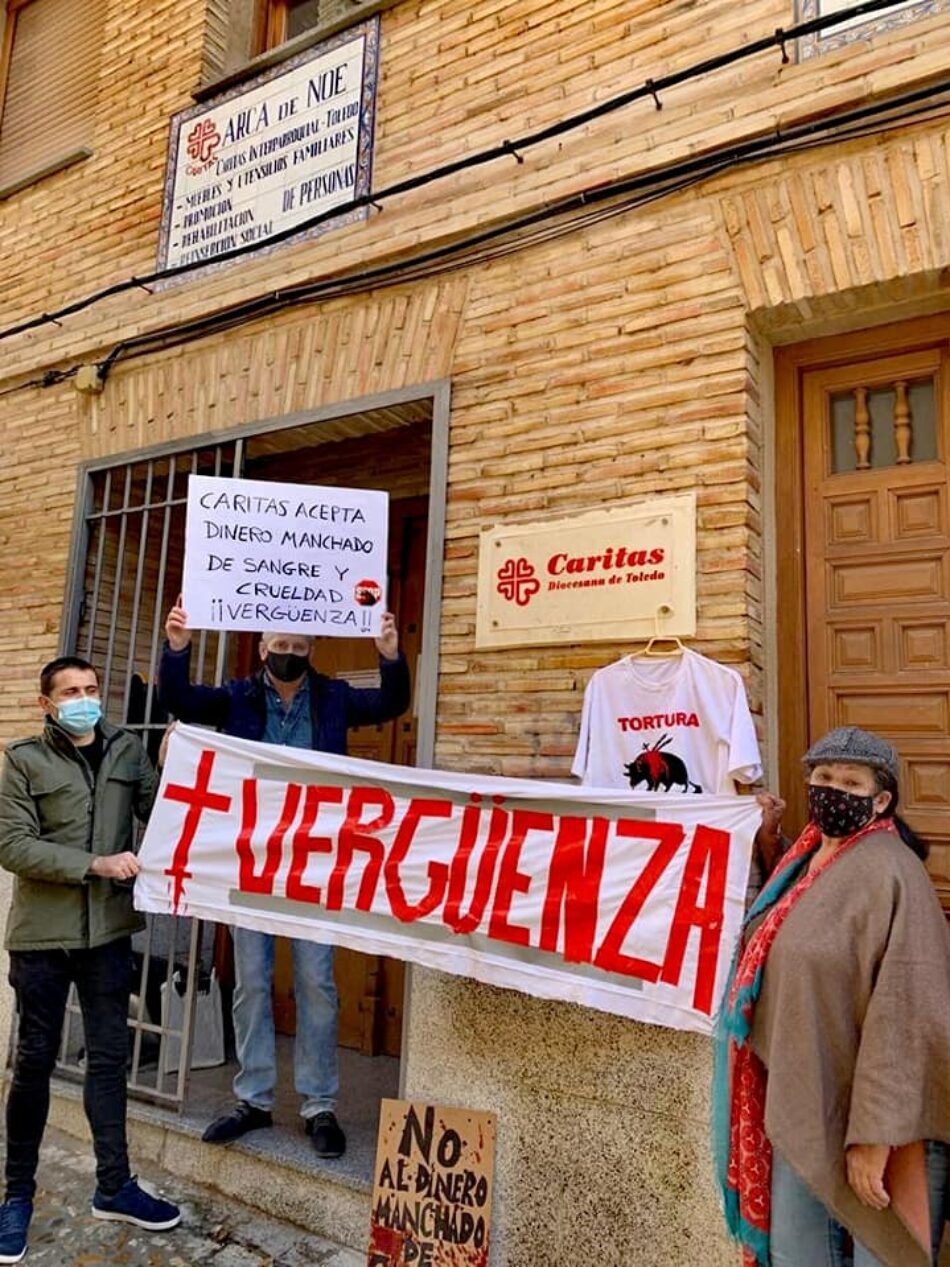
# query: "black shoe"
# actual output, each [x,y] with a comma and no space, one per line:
[327,1135]
[243,1117]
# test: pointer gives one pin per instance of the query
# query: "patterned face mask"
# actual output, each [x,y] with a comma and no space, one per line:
[838,814]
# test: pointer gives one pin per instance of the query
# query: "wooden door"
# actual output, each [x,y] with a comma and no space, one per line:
[874,535]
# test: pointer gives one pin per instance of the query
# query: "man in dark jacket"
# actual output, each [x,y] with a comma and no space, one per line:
[67,802]
[285,702]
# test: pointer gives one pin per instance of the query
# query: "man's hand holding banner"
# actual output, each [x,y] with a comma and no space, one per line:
[629,905]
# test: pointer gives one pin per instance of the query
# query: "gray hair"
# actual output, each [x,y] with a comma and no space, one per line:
[285,633]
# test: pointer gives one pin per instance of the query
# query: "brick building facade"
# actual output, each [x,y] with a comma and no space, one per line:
[775,221]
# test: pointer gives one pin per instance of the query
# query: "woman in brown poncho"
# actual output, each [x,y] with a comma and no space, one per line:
[832,1091]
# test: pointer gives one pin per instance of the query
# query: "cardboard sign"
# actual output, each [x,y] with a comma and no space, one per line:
[627,904]
[432,1186]
[627,572]
[273,152]
[298,558]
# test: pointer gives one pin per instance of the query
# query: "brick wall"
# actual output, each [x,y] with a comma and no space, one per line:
[37,492]
[484,75]
[609,363]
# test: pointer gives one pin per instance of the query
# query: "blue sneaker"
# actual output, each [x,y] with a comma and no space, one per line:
[132,1204]
[15,1218]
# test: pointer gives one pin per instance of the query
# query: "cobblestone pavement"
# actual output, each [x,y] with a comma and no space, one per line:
[214,1232]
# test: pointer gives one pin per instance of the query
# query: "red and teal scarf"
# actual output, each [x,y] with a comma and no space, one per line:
[741,1148]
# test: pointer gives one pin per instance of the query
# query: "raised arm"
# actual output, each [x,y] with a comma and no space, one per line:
[190,702]
[369,705]
[769,841]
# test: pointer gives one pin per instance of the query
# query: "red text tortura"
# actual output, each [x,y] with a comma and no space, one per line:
[657,721]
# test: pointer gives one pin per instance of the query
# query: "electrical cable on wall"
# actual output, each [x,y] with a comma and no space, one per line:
[566,215]
[651,88]
[626,193]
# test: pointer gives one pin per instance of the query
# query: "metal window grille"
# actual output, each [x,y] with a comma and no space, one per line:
[131,554]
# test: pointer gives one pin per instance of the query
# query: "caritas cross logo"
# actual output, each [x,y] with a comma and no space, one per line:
[517,581]
[203,139]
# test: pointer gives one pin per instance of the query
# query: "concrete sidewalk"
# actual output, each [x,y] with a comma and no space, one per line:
[214,1230]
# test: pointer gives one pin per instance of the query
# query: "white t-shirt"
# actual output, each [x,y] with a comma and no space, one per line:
[676,724]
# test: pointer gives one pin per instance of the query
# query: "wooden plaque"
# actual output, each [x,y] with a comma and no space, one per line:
[625,572]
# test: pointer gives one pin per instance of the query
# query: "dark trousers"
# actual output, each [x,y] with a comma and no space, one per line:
[41,979]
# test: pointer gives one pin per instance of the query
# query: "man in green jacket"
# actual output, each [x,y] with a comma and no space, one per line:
[67,802]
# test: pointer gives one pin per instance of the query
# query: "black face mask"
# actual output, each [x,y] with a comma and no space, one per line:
[838,814]
[285,667]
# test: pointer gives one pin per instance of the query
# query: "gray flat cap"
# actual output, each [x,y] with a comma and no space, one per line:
[850,743]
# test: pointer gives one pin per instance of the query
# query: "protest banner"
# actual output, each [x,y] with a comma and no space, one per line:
[626,903]
[432,1186]
[299,558]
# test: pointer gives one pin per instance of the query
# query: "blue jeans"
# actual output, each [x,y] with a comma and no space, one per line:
[316,1072]
[805,1235]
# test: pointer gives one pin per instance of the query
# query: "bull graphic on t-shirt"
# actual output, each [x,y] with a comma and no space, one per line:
[660,770]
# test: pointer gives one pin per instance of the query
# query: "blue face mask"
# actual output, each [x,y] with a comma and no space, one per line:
[79,716]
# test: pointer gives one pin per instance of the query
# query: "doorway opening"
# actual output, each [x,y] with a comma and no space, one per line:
[128,552]
[863,525]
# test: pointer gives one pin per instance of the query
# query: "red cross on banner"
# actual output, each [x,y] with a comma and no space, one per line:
[198,799]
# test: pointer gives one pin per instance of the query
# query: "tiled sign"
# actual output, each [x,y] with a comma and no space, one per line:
[272,153]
